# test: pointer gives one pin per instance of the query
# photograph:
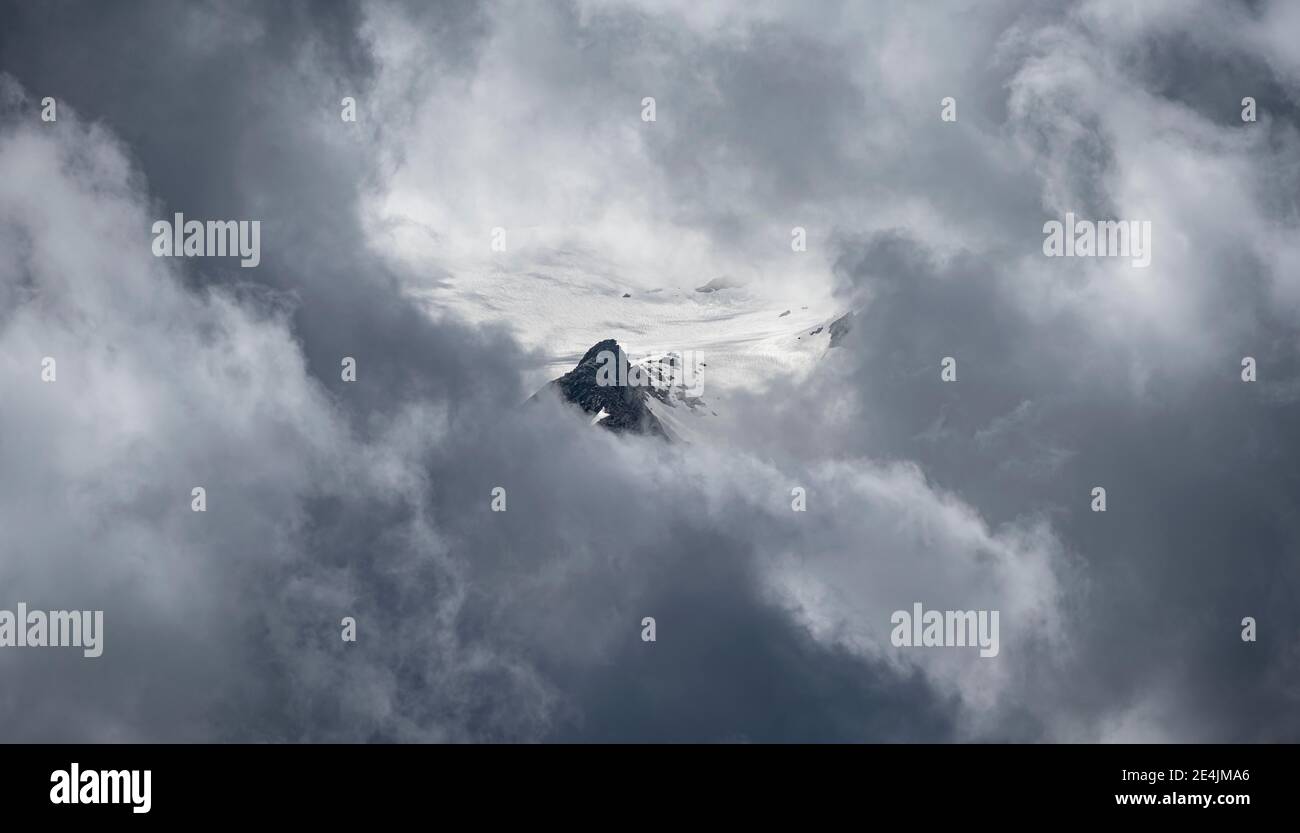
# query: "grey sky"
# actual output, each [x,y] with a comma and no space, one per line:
[371,499]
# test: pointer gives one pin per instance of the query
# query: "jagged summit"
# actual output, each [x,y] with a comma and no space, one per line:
[624,406]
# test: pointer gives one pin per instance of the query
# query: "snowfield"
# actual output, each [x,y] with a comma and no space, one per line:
[743,336]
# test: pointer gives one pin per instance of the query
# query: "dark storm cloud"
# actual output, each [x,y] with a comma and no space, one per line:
[314,516]
[1196,534]
[227,110]
[372,499]
[232,111]
[1049,404]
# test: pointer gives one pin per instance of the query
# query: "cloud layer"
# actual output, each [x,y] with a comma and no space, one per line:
[328,499]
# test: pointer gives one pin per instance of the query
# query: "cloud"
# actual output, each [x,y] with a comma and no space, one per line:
[371,499]
[225,624]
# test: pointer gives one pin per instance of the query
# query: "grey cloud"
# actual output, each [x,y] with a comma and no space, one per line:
[371,500]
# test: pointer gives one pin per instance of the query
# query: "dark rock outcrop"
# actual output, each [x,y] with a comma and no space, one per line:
[840,328]
[624,405]
[718,284]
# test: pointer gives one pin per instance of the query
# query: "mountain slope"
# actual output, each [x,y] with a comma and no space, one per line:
[624,406]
